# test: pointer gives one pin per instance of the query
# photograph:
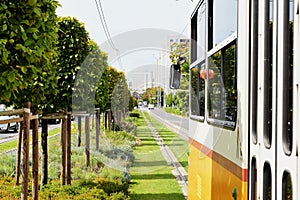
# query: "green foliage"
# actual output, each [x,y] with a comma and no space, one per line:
[27,50]
[73,45]
[112,186]
[87,78]
[151,95]
[7,168]
[134,114]
[180,50]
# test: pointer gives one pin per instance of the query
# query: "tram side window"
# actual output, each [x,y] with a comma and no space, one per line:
[197,91]
[288,54]
[223,15]
[222,87]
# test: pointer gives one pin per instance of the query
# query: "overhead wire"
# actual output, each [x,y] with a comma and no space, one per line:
[106,30]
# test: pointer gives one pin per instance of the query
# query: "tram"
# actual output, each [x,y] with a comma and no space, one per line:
[244,122]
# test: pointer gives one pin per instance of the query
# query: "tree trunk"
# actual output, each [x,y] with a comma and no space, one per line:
[26,143]
[79,132]
[87,140]
[35,158]
[109,120]
[97,129]
[63,150]
[69,149]
[44,143]
[18,158]
[105,120]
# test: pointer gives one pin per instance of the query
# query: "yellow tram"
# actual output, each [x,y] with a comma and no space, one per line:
[244,122]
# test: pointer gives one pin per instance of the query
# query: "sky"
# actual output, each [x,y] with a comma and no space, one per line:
[140,30]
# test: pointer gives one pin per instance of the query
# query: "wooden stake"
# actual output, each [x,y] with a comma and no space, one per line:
[35,158]
[18,158]
[25,152]
[69,139]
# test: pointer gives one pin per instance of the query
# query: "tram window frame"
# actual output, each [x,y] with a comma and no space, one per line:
[267,181]
[254,67]
[287,186]
[268,72]
[288,63]
[216,37]
[223,119]
[197,93]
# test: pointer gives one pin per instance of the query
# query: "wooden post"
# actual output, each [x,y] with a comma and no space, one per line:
[97,128]
[93,121]
[18,158]
[87,140]
[25,152]
[105,120]
[44,143]
[69,149]
[35,158]
[109,120]
[63,150]
[79,132]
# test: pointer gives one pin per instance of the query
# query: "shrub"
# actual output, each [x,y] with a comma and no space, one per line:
[112,186]
[134,114]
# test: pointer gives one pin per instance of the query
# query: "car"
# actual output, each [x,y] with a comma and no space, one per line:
[10,126]
[151,106]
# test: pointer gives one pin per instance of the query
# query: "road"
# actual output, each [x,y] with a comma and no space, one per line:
[11,135]
[178,124]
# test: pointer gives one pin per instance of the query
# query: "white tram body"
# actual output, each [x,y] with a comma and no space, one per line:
[244,122]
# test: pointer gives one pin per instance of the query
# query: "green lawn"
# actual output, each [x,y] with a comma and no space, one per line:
[178,146]
[151,177]
[13,144]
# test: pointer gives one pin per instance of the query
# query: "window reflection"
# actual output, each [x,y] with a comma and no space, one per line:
[197,91]
[224,21]
[201,32]
[222,99]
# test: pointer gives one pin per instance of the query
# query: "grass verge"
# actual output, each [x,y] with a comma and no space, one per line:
[13,144]
[178,146]
[151,176]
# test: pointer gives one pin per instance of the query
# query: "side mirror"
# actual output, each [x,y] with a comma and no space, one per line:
[175,75]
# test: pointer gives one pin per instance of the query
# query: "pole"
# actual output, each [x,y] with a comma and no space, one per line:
[26,141]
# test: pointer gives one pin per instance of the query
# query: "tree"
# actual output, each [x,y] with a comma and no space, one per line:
[73,46]
[28,54]
[87,79]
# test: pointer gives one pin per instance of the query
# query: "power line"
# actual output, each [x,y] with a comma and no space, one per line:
[106,30]
[104,24]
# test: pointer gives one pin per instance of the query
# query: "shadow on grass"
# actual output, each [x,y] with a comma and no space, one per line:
[151,176]
[160,196]
[161,163]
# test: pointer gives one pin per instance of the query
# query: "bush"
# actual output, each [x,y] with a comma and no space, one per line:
[112,186]
[134,114]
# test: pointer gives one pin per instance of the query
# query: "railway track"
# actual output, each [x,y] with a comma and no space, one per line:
[179,172]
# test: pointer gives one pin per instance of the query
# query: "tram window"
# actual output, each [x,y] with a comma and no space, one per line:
[201,32]
[223,15]
[194,38]
[253,179]
[268,72]
[254,67]
[222,94]
[288,55]
[267,182]
[197,91]
[287,189]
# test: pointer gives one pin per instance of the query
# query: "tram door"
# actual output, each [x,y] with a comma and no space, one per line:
[273,154]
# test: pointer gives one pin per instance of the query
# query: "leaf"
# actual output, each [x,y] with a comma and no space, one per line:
[19,46]
[4,27]
[37,11]
[11,76]
[32,2]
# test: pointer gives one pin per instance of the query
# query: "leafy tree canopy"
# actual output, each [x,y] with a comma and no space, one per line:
[27,51]
[73,46]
